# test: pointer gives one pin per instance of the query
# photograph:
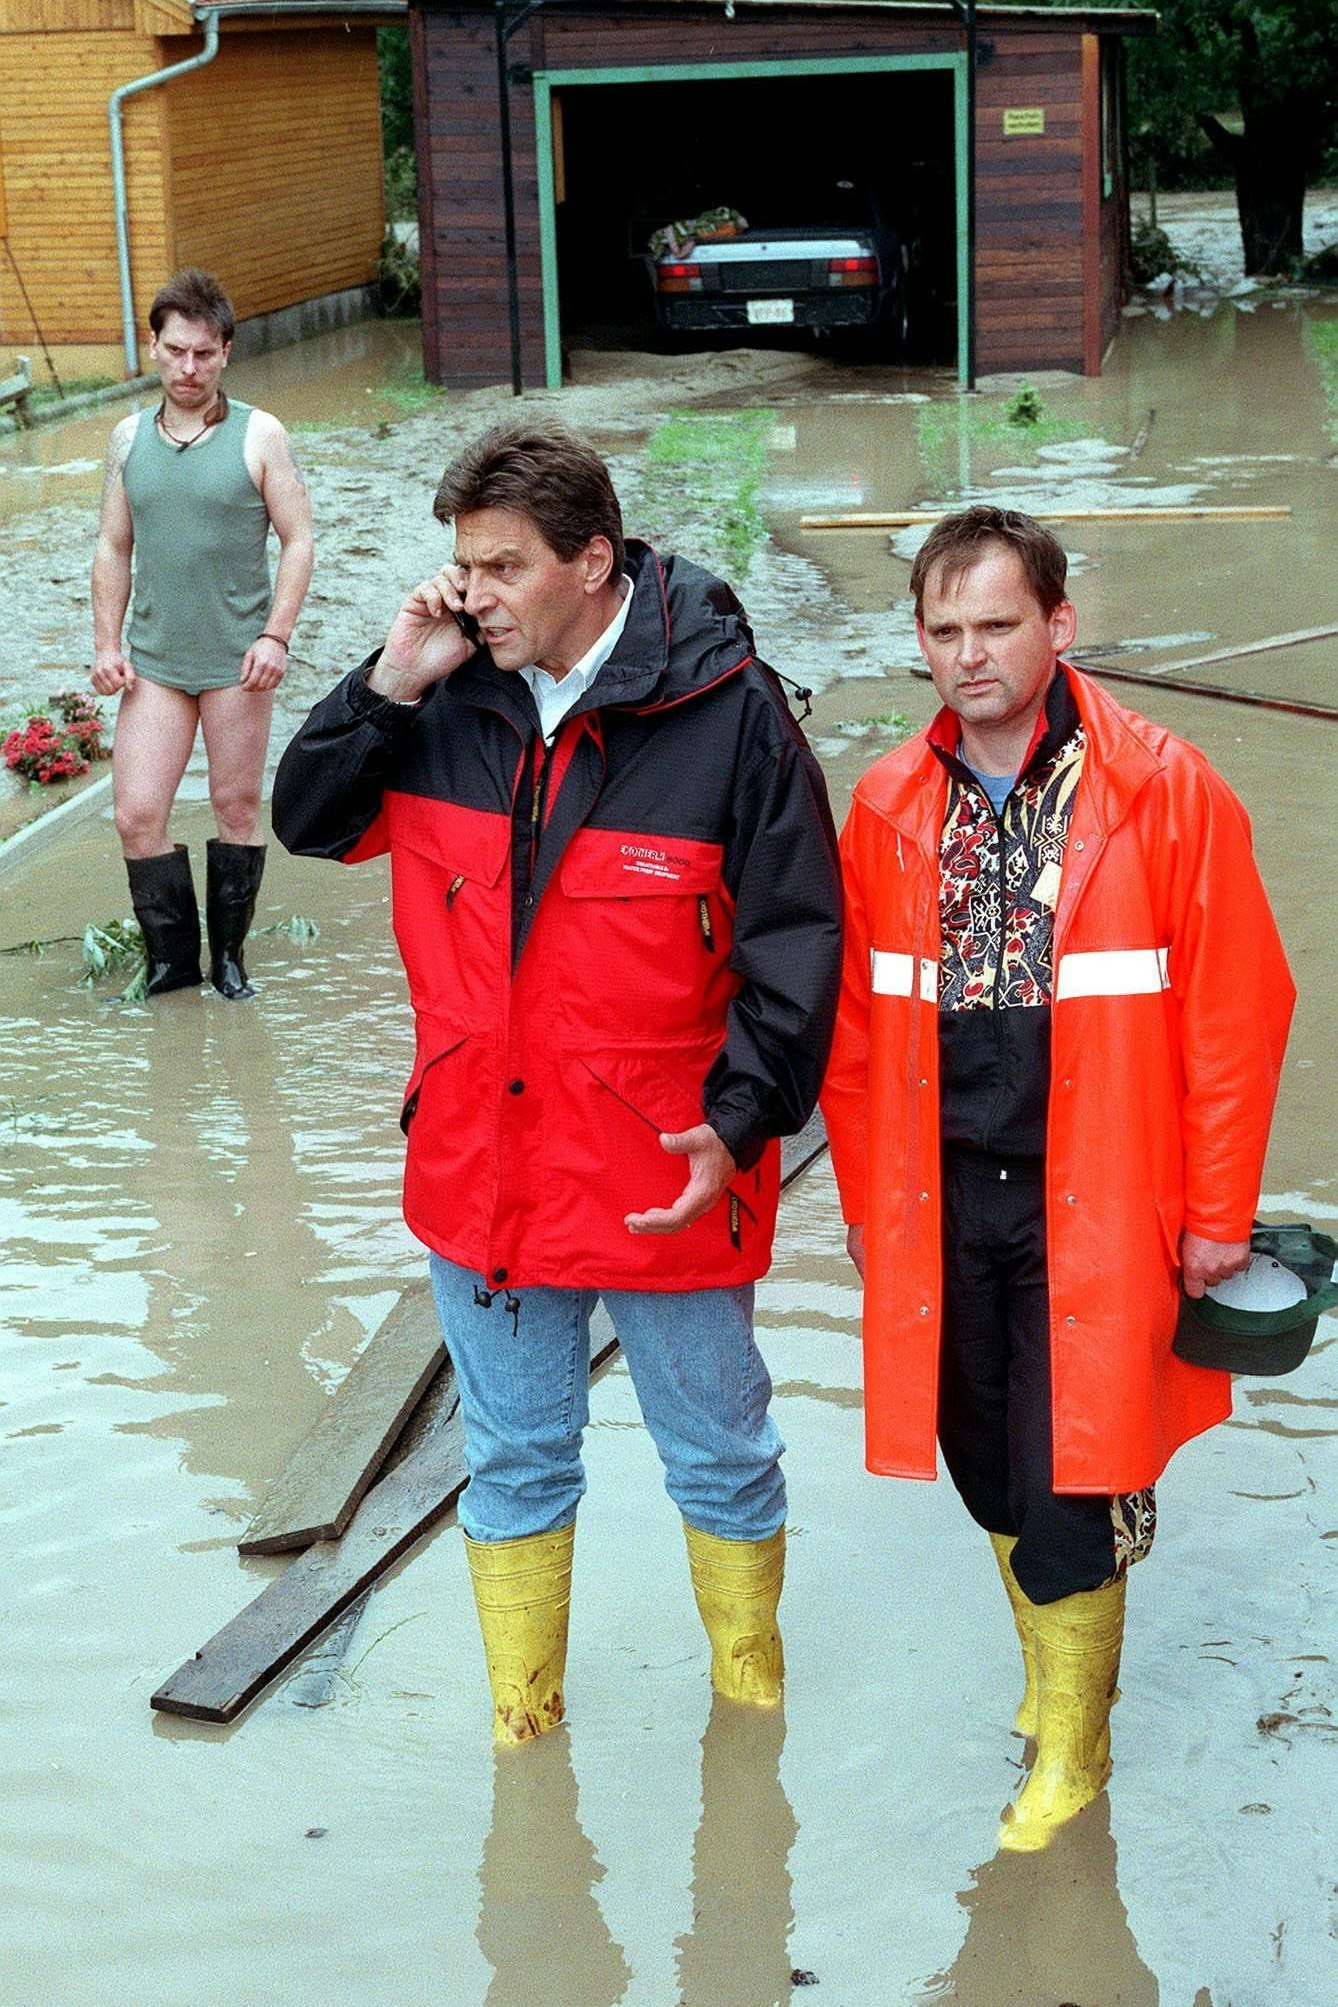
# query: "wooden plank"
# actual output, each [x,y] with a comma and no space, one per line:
[325,1480]
[318,1493]
[1299,707]
[1264,647]
[316,1588]
[798,1152]
[907,518]
[292,1610]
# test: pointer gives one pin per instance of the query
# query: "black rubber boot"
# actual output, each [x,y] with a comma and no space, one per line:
[162,893]
[232,881]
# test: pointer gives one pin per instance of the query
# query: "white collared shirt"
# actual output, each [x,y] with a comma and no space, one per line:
[554,696]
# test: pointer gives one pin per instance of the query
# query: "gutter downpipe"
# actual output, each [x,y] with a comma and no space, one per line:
[208,17]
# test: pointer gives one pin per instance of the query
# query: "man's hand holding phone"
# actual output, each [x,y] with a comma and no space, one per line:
[430,638]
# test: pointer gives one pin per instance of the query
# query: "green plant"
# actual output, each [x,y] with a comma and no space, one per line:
[401,185]
[1026,407]
[411,391]
[1324,340]
[1153,256]
[893,722]
[960,438]
[112,947]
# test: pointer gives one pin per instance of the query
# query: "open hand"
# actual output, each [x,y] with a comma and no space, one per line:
[710,1168]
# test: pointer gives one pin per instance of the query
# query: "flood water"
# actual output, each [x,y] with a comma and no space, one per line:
[200,1205]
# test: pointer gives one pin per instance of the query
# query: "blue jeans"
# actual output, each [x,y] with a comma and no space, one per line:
[524,1398]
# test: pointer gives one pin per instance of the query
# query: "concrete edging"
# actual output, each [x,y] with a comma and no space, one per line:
[46,827]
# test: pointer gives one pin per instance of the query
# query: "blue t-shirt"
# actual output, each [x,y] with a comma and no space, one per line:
[997,786]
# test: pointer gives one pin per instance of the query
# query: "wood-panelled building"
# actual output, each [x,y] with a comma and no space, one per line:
[263,165]
[1007,177]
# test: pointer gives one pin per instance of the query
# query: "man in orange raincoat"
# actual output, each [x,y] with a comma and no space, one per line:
[1062,1022]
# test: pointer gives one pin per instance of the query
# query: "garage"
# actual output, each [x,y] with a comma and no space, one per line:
[554,137]
[878,150]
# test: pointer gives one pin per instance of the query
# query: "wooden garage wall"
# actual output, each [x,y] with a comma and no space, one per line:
[276,176]
[56,156]
[264,166]
[1029,207]
[461,229]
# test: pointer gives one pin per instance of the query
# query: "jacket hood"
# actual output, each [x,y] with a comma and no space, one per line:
[686,631]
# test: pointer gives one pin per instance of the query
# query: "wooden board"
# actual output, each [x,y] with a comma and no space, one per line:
[293,1610]
[318,1493]
[314,1683]
[902,519]
[798,1152]
[1299,707]
[1267,646]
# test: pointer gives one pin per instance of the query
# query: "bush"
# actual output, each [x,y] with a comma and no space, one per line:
[1153,256]
[399,279]
[401,185]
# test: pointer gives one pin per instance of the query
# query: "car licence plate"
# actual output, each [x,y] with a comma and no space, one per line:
[766,313]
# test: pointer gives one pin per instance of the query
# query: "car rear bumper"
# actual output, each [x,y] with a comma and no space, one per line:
[700,313]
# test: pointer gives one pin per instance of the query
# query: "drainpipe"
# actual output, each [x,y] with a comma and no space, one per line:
[208,16]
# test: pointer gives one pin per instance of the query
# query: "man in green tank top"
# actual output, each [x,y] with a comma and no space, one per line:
[191,494]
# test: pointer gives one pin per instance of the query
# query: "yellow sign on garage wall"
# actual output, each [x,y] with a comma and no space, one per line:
[1020,120]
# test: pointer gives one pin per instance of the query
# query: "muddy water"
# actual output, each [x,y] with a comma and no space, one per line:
[200,1208]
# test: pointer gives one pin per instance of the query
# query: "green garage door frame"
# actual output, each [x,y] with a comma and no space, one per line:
[548,81]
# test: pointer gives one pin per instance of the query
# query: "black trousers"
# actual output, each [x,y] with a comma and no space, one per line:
[994,1409]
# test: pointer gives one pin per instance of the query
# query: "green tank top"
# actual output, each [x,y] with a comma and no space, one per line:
[202,585]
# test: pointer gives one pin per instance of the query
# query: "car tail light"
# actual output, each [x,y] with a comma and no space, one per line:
[678,278]
[852,272]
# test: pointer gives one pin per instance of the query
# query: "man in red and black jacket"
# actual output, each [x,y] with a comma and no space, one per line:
[618,901]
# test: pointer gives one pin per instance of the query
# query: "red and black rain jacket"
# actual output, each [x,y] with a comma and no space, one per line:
[620,935]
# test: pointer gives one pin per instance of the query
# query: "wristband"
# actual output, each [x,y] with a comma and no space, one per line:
[267,636]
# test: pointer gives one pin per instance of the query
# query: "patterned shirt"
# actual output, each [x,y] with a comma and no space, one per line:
[999,879]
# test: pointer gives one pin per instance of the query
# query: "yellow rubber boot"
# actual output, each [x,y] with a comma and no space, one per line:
[1028,1713]
[522,1591]
[1078,1644]
[737,1584]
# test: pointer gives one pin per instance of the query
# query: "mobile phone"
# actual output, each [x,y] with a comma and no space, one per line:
[468,626]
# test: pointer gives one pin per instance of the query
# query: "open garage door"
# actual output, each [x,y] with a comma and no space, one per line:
[622,153]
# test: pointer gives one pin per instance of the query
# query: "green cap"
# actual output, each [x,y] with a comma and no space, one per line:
[1263,1321]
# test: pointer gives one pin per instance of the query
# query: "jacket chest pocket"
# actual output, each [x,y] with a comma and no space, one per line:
[650,924]
[451,903]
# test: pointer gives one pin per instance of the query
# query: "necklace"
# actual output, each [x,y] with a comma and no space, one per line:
[218,412]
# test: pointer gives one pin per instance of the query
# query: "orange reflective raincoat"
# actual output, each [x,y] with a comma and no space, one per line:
[1171,1004]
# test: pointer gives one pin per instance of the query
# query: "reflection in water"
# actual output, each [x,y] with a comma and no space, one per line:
[543,1932]
[1048,1927]
[540,1927]
[737,1952]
